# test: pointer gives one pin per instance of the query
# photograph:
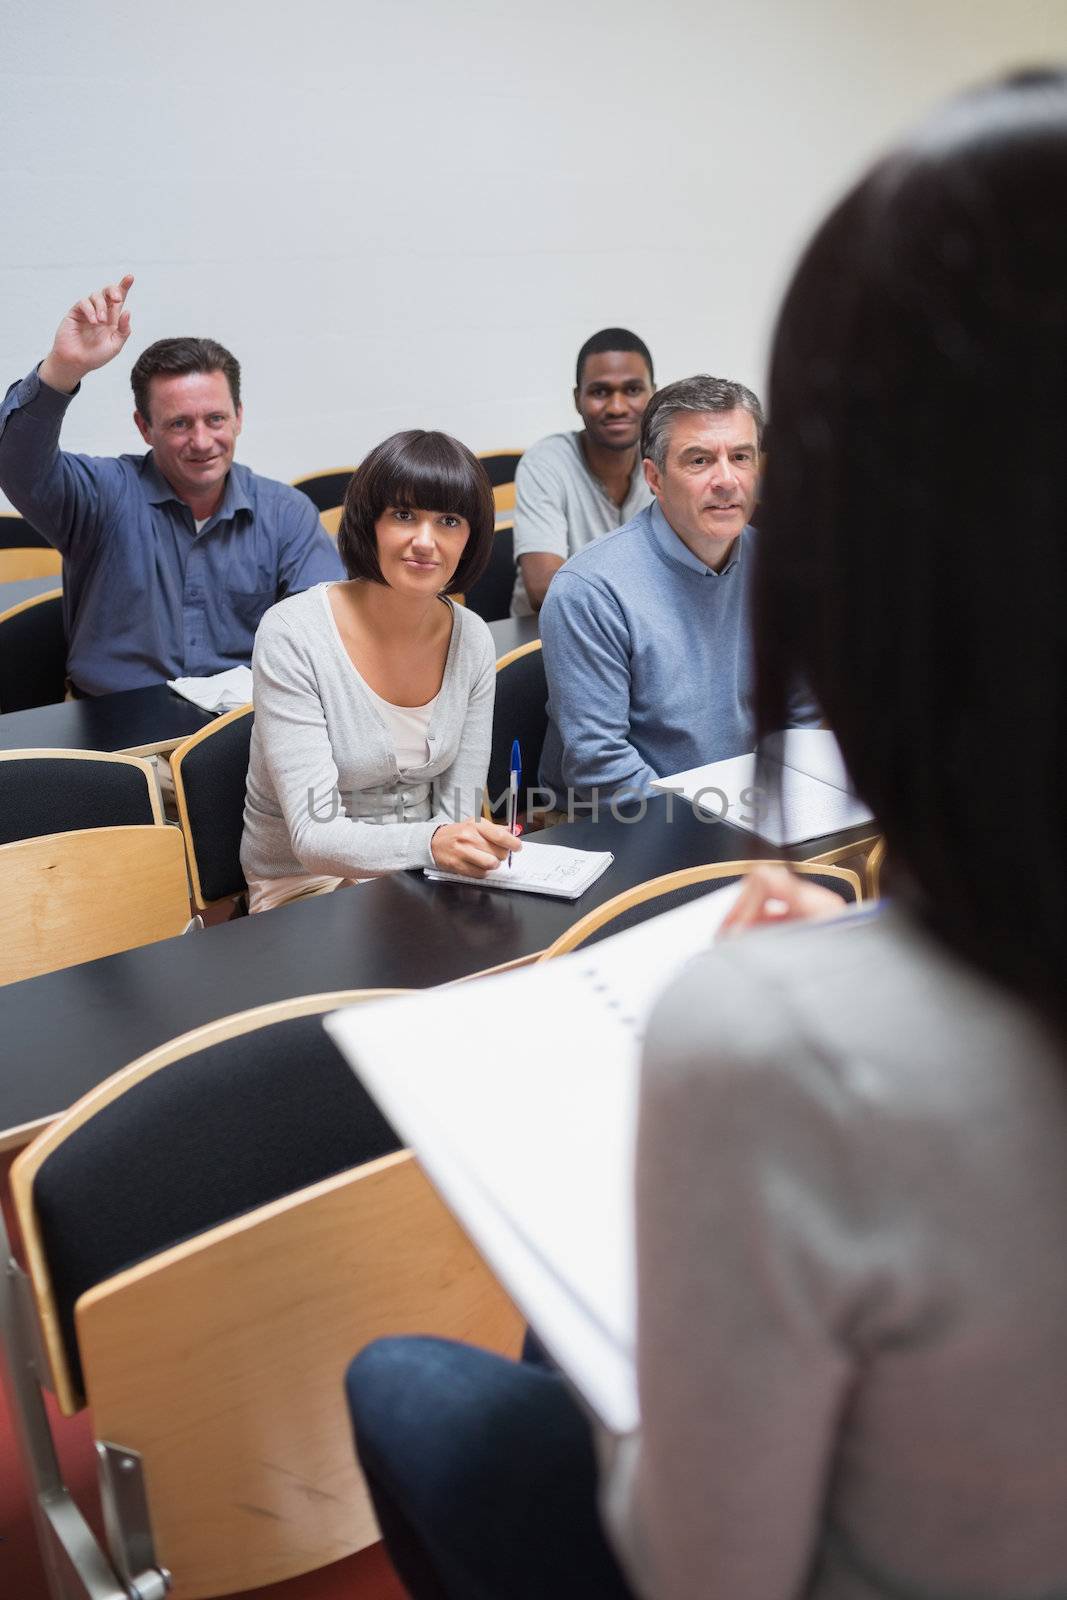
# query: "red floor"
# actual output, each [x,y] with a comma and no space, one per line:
[366,1576]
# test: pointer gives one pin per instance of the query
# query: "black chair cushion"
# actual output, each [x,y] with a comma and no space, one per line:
[490,597]
[47,794]
[519,713]
[501,468]
[17,534]
[33,657]
[213,777]
[210,1138]
[326,490]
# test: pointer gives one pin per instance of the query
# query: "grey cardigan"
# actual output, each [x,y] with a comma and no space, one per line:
[325,794]
[852,1269]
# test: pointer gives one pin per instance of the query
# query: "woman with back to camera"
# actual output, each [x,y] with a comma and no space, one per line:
[852,1158]
[374,698]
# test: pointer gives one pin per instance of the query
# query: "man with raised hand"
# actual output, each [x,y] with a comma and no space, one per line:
[647,633]
[572,487]
[170,559]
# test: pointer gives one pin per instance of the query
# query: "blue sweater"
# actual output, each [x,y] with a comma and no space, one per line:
[648,655]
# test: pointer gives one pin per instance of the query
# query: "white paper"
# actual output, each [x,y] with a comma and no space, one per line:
[524,1116]
[222,691]
[816,794]
[540,869]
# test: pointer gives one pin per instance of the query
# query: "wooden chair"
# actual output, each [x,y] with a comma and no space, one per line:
[33,653]
[875,868]
[209,770]
[519,712]
[209,1330]
[331,521]
[490,596]
[23,553]
[501,466]
[56,791]
[71,897]
[675,888]
[325,489]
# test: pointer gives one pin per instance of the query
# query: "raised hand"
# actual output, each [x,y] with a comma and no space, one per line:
[91,334]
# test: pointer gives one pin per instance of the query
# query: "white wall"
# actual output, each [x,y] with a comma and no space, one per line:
[412,213]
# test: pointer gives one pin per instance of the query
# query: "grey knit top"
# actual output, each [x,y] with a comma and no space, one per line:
[325,793]
[852,1269]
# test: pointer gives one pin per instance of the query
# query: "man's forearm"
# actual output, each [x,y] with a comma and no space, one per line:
[60,375]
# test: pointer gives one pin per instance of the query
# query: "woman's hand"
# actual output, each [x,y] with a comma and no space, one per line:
[773,894]
[473,847]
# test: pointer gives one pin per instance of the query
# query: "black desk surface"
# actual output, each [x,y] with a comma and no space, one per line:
[66,1031]
[137,721]
[510,632]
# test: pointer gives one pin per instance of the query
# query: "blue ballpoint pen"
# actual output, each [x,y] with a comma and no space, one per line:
[513,789]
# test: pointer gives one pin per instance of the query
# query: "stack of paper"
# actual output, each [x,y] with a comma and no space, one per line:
[815,794]
[531,1143]
[224,691]
[553,869]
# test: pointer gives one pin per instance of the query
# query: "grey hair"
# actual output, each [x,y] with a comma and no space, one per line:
[693,394]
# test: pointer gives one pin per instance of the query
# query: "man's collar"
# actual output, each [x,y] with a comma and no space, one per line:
[158,491]
[675,549]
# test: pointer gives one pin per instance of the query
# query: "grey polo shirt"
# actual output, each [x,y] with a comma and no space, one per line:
[560,506]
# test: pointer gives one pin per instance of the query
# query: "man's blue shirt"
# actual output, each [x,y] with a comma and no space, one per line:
[649,661]
[145,597]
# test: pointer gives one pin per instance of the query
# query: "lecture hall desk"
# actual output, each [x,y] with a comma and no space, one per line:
[62,1033]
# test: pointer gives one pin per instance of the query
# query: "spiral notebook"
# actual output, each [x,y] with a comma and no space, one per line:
[530,1141]
[553,869]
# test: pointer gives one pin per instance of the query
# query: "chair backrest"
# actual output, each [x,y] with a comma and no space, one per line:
[490,597]
[70,897]
[17,534]
[56,791]
[209,771]
[33,653]
[875,869]
[220,1239]
[676,888]
[325,489]
[501,466]
[28,561]
[519,713]
[331,521]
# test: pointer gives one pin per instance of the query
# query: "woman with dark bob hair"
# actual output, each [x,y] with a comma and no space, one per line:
[374,698]
[852,1155]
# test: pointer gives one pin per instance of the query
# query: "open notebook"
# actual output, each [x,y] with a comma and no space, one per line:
[553,869]
[524,1116]
[817,797]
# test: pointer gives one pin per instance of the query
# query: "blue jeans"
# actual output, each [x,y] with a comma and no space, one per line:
[482,1474]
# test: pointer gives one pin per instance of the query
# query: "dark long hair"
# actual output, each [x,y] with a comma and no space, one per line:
[913,557]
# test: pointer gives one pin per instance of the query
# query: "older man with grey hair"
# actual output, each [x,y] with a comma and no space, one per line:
[646,632]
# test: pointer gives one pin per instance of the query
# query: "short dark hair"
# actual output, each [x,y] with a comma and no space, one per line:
[174,358]
[613,339]
[693,394]
[423,471]
[925,609]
